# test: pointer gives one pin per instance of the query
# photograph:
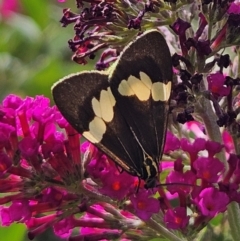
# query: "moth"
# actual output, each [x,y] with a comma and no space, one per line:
[124,111]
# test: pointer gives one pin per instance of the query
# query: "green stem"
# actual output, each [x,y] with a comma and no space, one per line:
[204,109]
[238,68]
[233,208]
[164,231]
[234,220]
[210,26]
[234,133]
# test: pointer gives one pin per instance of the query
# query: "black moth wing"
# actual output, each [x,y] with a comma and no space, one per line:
[86,102]
[141,85]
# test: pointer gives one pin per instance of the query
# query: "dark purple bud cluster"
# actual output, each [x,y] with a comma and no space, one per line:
[196,49]
[103,24]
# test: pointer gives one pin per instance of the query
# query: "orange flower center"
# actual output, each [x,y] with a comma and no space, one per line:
[141,205]
[116,186]
[2,167]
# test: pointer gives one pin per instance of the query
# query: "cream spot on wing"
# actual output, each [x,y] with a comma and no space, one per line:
[124,88]
[168,89]
[90,137]
[145,79]
[143,87]
[112,99]
[96,107]
[97,128]
[106,106]
[139,88]
[161,91]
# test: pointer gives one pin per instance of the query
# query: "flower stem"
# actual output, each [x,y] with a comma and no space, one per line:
[164,231]
[204,109]
[234,220]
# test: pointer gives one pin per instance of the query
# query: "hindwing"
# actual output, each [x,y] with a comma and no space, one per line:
[87,103]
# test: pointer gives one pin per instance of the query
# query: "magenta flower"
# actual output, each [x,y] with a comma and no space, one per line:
[213,148]
[180,27]
[234,8]
[176,218]
[144,204]
[172,143]
[207,201]
[5,163]
[65,226]
[193,148]
[208,169]
[8,7]
[20,211]
[177,178]
[196,128]
[216,84]
[117,185]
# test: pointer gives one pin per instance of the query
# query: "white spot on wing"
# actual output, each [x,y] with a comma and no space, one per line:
[111,97]
[139,88]
[124,88]
[168,89]
[145,79]
[106,106]
[96,107]
[90,137]
[161,91]
[143,87]
[97,128]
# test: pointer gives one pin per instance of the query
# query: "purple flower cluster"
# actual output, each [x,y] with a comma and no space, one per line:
[208,171]
[47,183]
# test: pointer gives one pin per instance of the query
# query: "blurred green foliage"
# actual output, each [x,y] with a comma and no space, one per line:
[34,54]
[15,232]
[34,51]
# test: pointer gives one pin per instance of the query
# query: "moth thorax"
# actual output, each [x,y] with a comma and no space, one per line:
[150,168]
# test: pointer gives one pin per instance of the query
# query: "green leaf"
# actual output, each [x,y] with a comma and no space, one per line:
[15,232]
[217,220]
[158,239]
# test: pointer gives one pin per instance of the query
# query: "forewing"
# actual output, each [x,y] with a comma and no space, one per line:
[141,84]
[86,101]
